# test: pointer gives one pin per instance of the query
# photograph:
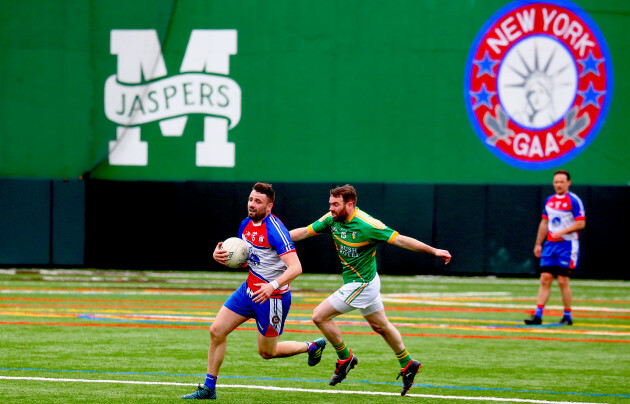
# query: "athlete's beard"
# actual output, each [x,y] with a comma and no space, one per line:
[256,215]
[342,216]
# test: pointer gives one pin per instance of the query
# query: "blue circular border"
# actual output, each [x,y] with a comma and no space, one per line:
[603,110]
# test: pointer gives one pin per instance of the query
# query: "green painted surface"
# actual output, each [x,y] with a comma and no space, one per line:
[347,91]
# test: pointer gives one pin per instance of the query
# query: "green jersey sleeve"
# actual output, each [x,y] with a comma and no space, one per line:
[322,225]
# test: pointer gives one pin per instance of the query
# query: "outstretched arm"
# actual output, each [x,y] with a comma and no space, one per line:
[412,244]
[300,233]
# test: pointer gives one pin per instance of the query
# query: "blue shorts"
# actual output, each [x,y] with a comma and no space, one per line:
[560,254]
[269,316]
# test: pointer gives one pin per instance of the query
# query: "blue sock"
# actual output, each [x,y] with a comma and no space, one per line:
[311,346]
[567,314]
[539,311]
[210,382]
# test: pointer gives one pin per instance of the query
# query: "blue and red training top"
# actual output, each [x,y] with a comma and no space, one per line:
[562,211]
[268,241]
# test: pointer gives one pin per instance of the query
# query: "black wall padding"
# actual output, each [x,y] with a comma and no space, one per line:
[489,229]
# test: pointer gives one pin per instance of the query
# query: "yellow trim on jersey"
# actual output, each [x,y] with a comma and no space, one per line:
[368,219]
[351,267]
[351,244]
[354,212]
[311,231]
[321,219]
[393,237]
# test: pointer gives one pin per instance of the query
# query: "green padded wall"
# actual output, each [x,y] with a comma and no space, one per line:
[286,91]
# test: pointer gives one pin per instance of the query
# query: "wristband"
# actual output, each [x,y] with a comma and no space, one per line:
[274,284]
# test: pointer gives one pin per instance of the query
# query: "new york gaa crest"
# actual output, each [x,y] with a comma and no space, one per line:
[538,83]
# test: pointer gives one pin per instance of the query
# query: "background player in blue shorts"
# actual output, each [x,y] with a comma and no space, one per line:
[264,296]
[563,216]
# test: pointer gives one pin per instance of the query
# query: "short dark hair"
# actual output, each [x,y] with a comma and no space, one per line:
[265,188]
[565,172]
[347,192]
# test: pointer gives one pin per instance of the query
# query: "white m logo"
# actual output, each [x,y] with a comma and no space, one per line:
[139,93]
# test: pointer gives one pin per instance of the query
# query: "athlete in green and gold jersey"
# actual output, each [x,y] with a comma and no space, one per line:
[356,235]
[356,241]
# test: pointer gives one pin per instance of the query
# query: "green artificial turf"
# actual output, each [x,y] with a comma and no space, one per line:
[81,326]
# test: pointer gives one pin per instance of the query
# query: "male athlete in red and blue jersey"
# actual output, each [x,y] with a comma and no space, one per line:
[563,216]
[268,242]
[264,296]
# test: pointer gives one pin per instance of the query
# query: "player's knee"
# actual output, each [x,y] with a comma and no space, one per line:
[317,318]
[265,354]
[563,281]
[546,279]
[216,334]
[378,328]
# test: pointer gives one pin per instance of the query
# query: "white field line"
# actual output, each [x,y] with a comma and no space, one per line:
[388,299]
[240,386]
[451,294]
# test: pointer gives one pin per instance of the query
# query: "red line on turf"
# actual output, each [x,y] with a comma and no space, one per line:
[216,306]
[116,306]
[104,325]
[313,331]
